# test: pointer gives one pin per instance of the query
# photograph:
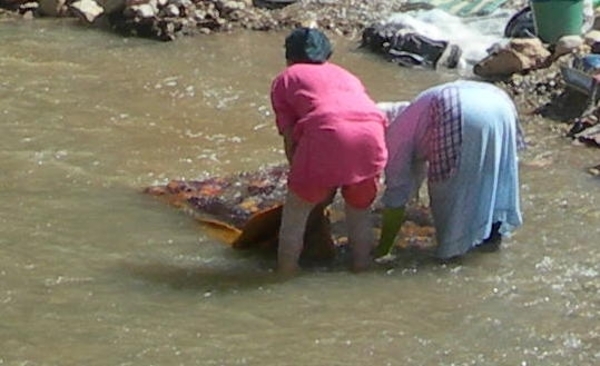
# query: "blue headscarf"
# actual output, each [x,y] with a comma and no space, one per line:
[307,45]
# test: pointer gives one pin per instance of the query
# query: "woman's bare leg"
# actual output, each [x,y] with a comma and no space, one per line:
[291,233]
[360,236]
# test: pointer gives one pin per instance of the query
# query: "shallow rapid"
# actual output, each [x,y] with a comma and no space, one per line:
[94,272]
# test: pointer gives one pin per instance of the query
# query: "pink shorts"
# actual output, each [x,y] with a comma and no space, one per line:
[359,195]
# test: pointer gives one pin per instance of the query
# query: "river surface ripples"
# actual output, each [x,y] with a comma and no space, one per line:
[92,272]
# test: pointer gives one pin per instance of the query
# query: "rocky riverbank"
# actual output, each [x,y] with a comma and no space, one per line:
[534,78]
[168,19]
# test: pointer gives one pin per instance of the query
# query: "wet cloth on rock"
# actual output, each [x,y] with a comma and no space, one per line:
[483,188]
[406,47]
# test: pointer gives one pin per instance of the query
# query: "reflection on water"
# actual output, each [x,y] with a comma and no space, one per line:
[94,272]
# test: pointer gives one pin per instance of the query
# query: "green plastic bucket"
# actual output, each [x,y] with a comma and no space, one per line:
[556,18]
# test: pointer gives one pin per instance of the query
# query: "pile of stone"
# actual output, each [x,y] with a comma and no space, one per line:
[160,19]
[535,75]
[168,19]
[531,71]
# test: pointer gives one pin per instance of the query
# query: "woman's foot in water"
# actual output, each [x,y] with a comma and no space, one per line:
[493,242]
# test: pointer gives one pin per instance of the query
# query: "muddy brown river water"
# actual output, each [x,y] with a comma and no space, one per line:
[92,272]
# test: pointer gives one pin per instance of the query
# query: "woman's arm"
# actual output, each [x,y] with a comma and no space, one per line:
[288,144]
[285,115]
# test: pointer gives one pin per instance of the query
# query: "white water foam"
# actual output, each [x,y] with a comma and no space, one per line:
[474,35]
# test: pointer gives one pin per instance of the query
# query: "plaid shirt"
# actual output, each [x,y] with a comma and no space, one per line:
[427,137]
[444,135]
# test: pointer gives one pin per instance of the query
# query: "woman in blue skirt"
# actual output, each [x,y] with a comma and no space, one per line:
[463,137]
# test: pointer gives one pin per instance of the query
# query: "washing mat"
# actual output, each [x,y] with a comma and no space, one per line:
[464,8]
[243,210]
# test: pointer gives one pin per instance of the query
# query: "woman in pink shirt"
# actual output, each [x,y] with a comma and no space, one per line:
[333,136]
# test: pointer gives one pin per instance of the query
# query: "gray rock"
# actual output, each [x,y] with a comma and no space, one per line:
[52,8]
[88,10]
[567,44]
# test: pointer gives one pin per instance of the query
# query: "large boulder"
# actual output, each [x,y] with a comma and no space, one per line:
[517,56]
[567,44]
[88,10]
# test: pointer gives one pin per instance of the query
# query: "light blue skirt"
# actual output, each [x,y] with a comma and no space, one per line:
[485,189]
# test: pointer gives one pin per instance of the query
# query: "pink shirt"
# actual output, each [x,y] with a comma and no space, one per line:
[338,130]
